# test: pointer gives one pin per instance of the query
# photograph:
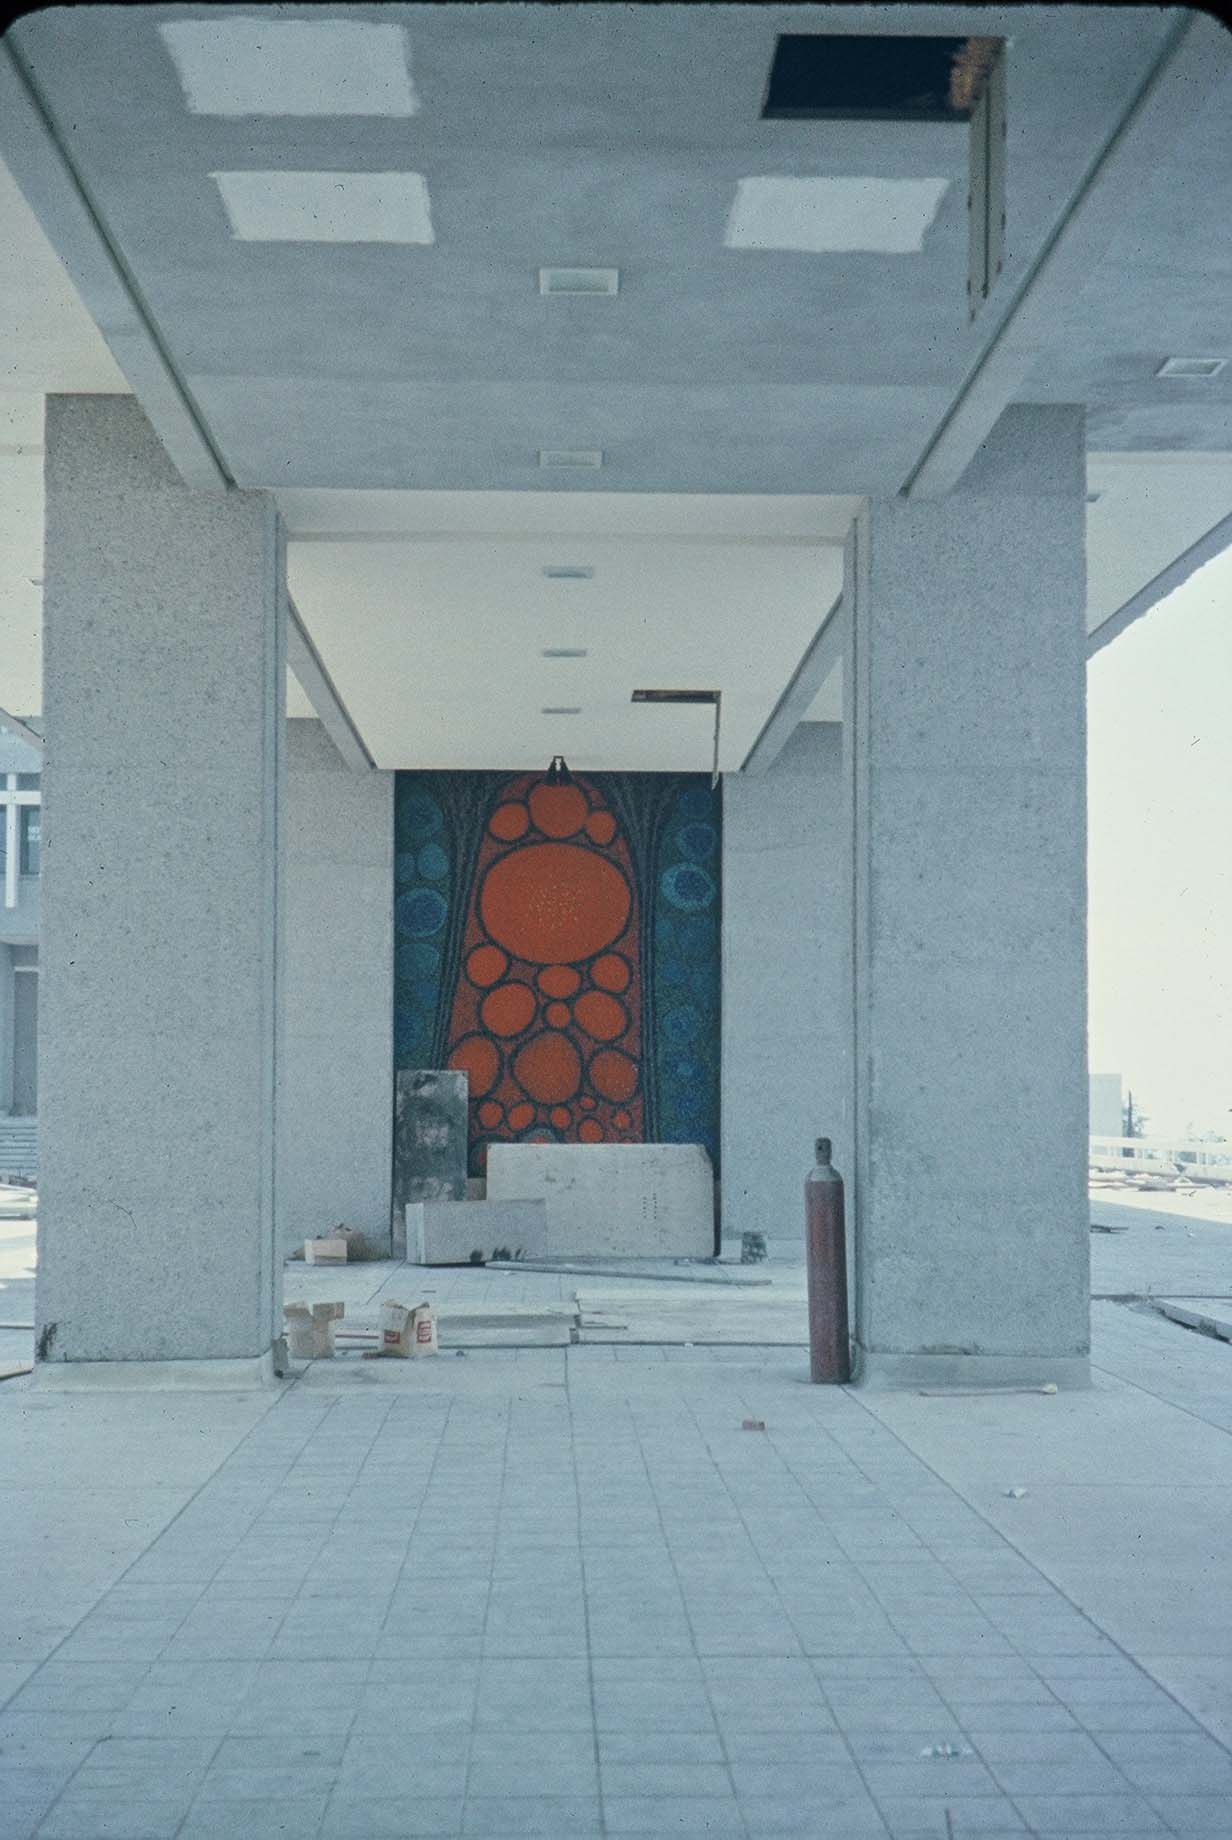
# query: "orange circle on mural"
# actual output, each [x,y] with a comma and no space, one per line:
[611,972]
[613,1074]
[508,1009]
[558,811]
[586,1102]
[549,1068]
[556,1015]
[478,1059]
[601,827]
[559,981]
[520,1116]
[601,1016]
[491,1114]
[622,1121]
[560,1117]
[590,1131]
[486,964]
[552,903]
[509,822]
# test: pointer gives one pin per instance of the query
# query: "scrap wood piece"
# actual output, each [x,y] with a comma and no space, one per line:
[753,1424]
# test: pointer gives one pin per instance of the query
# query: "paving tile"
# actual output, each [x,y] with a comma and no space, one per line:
[402,1817]
[1089,1814]
[1172,1763]
[1193,1814]
[114,1817]
[672,1814]
[532,1815]
[976,1817]
[289,1818]
[853,1819]
[534,1695]
[641,1779]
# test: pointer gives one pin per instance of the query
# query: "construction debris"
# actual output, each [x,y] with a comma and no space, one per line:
[310,1329]
[331,1251]
[406,1333]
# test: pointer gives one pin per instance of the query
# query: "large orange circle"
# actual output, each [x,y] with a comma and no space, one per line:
[552,903]
[477,1057]
[507,1009]
[509,822]
[613,1074]
[486,964]
[559,981]
[611,972]
[600,1015]
[558,811]
[549,1068]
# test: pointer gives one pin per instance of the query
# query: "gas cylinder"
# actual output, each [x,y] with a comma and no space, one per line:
[826,1253]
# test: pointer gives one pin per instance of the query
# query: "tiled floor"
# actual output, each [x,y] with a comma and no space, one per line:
[557,1594]
[562,1591]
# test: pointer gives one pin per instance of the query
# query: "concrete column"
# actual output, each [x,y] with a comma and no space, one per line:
[967,692]
[337,991]
[6,1029]
[786,980]
[163,696]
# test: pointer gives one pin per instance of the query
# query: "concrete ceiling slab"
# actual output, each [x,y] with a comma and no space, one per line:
[614,136]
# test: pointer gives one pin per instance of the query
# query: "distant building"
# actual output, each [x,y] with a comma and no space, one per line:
[20,823]
[1106,1111]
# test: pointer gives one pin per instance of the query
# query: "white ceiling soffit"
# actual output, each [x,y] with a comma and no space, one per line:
[1150,509]
[47,339]
[437,648]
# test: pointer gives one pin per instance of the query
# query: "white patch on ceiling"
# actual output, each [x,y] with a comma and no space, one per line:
[821,216]
[327,207]
[291,67]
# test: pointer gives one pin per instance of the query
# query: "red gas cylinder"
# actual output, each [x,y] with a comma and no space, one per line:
[826,1249]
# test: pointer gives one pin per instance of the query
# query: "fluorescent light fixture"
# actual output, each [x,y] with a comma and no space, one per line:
[565,651]
[1191,367]
[569,571]
[584,458]
[327,207]
[675,696]
[827,216]
[560,709]
[239,66]
[579,281]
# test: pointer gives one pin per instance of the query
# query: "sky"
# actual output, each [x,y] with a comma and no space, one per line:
[1159,766]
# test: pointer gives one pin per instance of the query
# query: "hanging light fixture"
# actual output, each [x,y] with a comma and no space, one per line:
[558,773]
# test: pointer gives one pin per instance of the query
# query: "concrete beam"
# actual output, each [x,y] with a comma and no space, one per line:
[1178,571]
[56,193]
[318,686]
[1195,60]
[824,652]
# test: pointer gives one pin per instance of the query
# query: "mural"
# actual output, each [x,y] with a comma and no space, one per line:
[561,944]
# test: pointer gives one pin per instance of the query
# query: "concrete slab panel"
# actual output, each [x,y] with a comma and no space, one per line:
[449,1232]
[430,1128]
[613,1200]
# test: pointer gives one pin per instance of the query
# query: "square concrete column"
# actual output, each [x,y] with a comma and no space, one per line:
[967,704]
[163,697]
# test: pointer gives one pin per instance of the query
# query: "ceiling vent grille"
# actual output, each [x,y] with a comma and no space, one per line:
[1191,367]
[600,281]
[575,459]
[560,709]
[569,571]
[564,651]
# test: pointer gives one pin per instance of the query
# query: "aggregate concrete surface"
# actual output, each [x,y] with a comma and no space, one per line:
[562,1591]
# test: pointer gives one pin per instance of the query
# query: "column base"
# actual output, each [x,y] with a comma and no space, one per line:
[958,1371]
[248,1374]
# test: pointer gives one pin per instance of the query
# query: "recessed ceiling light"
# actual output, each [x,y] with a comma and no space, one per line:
[568,571]
[327,207]
[579,281]
[565,651]
[241,66]
[560,709]
[675,696]
[585,458]
[823,216]
[1093,498]
[1191,367]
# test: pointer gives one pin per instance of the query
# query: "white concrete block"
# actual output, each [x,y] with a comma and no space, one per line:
[448,1232]
[612,1200]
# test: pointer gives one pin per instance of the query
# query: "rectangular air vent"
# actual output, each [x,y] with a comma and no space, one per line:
[560,709]
[564,651]
[579,281]
[568,571]
[675,696]
[577,459]
[849,77]
[1191,367]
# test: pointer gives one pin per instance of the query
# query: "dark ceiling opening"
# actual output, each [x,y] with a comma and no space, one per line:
[817,77]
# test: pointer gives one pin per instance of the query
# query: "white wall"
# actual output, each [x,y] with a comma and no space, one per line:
[786,980]
[337,992]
